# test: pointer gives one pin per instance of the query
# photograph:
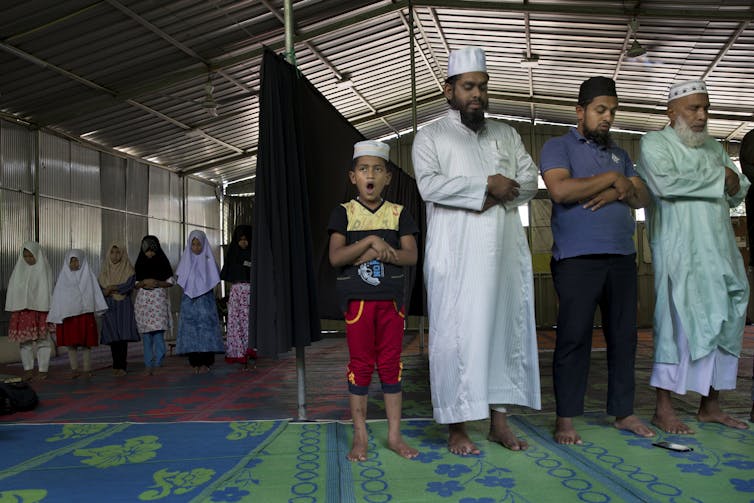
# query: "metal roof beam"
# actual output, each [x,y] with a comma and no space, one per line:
[208,166]
[440,33]
[174,42]
[417,22]
[725,49]
[643,108]
[594,9]
[93,85]
[218,64]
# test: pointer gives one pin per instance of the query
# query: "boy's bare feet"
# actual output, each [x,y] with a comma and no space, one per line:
[501,433]
[459,442]
[402,448]
[634,425]
[565,433]
[358,447]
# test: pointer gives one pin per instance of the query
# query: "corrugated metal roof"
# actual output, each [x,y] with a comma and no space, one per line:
[141,76]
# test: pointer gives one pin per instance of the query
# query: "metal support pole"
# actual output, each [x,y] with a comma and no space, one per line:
[414,125]
[290,56]
[36,144]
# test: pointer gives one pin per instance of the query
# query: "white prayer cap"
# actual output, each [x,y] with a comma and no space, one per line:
[685,88]
[371,147]
[467,59]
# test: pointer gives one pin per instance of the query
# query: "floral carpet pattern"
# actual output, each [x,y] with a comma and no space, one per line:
[280,461]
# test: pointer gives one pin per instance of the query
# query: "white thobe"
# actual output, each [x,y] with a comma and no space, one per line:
[478,272]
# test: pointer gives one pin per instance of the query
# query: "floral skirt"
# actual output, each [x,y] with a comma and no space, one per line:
[27,325]
[237,330]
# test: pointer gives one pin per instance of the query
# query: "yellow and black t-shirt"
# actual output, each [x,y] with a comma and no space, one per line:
[373,280]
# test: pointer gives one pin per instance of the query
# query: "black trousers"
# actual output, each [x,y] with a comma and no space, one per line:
[583,283]
[201,359]
[119,351]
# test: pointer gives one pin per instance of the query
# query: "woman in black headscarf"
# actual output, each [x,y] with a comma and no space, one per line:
[153,276]
[237,272]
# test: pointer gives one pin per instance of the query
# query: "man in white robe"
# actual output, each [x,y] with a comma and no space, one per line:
[700,283]
[473,174]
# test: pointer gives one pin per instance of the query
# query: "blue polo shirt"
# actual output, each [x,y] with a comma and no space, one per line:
[577,231]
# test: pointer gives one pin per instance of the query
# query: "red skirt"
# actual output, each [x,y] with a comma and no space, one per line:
[78,330]
[27,325]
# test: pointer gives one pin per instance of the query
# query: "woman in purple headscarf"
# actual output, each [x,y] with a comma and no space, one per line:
[199,332]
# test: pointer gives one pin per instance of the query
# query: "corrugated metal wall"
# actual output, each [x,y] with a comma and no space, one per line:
[89,199]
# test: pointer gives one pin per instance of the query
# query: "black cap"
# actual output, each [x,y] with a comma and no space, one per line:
[596,86]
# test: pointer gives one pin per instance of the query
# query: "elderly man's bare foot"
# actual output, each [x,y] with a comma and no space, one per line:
[634,425]
[402,448]
[501,433]
[669,423]
[459,442]
[565,433]
[358,449]
[722,418]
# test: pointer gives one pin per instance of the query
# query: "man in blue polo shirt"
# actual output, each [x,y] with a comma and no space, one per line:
[593,187]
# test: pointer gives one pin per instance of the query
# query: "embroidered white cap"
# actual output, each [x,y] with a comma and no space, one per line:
[467,59]
[685,88]
[371,147]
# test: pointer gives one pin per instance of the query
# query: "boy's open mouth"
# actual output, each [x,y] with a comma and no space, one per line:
[370,186]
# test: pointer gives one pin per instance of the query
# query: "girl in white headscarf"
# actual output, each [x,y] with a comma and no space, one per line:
[28,301]
[76,299]
[199,332]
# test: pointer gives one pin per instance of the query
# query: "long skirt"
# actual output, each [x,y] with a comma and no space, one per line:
[80,330]
[27,325]
[199,326]
[237,331]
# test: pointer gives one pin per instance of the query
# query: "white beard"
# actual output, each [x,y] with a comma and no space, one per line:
[689,137]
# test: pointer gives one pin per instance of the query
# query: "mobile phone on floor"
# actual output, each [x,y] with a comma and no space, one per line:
[673,447]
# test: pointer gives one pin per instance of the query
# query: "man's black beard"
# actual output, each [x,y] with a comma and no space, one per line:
[472,120]
[598,137]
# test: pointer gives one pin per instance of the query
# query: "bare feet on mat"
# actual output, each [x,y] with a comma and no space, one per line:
[634,425]
[358,448]
[459,442]
[501,433]
[75,374]
[565,433]
[402,448]
[722,418]
[669,423]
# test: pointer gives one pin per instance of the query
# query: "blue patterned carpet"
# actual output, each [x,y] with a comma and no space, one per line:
[278,461]
[227,437]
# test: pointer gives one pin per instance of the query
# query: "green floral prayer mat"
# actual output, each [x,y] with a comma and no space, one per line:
[277,461]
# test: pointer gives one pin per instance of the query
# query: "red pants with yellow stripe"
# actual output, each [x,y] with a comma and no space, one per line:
[374,331]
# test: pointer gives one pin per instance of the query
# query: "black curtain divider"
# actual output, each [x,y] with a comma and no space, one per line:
[283,309]
[305,150]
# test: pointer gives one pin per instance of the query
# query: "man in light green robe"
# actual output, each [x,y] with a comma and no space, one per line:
[700,282]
